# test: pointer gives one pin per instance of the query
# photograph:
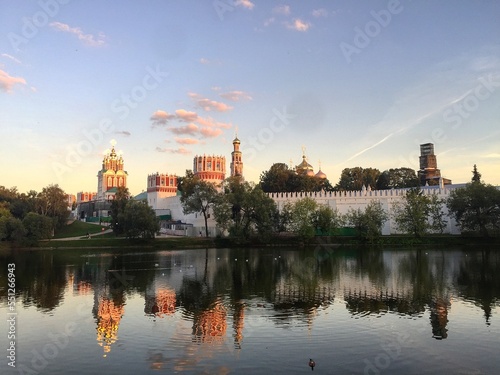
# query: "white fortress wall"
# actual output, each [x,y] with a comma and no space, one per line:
[345,200]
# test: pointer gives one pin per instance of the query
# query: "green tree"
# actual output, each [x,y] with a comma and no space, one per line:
[326,219]
[198,196]
[122,196]
[280,178]
[368,222]
[11,229]
[353,179]
[397,178]
[303,213]
[51,202]
[476,176]
[418,213]
[139,220]
[38,227]
[244,209]
[476,207]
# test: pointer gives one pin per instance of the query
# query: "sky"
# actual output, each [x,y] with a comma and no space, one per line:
[350,83]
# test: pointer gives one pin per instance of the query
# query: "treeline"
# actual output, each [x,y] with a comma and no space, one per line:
[280,178]
[26,218]
[243,209]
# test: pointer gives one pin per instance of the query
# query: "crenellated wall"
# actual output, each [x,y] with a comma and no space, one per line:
[345,200]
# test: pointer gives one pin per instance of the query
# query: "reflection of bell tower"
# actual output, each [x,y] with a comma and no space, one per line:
[238,324]
[108,317]
[210,326]
[236,162]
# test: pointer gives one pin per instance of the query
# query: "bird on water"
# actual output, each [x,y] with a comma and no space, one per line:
[312,364]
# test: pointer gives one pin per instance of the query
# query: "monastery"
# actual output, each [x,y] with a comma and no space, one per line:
[162,194]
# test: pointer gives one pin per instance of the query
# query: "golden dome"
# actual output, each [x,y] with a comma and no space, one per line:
[320,174]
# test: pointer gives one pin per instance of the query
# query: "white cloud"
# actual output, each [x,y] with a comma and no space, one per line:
[88,39]
[7,82]
[282,9]
[298,25]
[320,13]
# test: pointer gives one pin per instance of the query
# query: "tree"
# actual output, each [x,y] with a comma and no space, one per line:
[476,176]
[139,220]
[38,227]
[11,229]
[244,209]
[368,222]
[418,214]
[198,196]
[326,219]
[303,213]
[352,179]
[476,207]
[122,196]
[280,178]
[51,202]
[397,178]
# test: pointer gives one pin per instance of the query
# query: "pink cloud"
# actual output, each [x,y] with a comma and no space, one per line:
[210,132]
[187,141]
[191,129]
[180,150]
[88,39]
[209,105]
[299,25]
[236,96]
[7,82]
[161,117]
[186,116]
[245,4]
[210,122]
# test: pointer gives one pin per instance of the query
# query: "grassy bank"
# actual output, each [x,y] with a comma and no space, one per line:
[78,229]
[114,242]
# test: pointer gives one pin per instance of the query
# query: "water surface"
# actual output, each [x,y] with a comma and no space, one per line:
[254,311]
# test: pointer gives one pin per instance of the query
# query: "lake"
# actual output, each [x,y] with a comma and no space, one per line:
[252,311]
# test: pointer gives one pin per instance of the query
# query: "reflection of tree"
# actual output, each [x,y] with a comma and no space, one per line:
[40,278]
[479,280]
